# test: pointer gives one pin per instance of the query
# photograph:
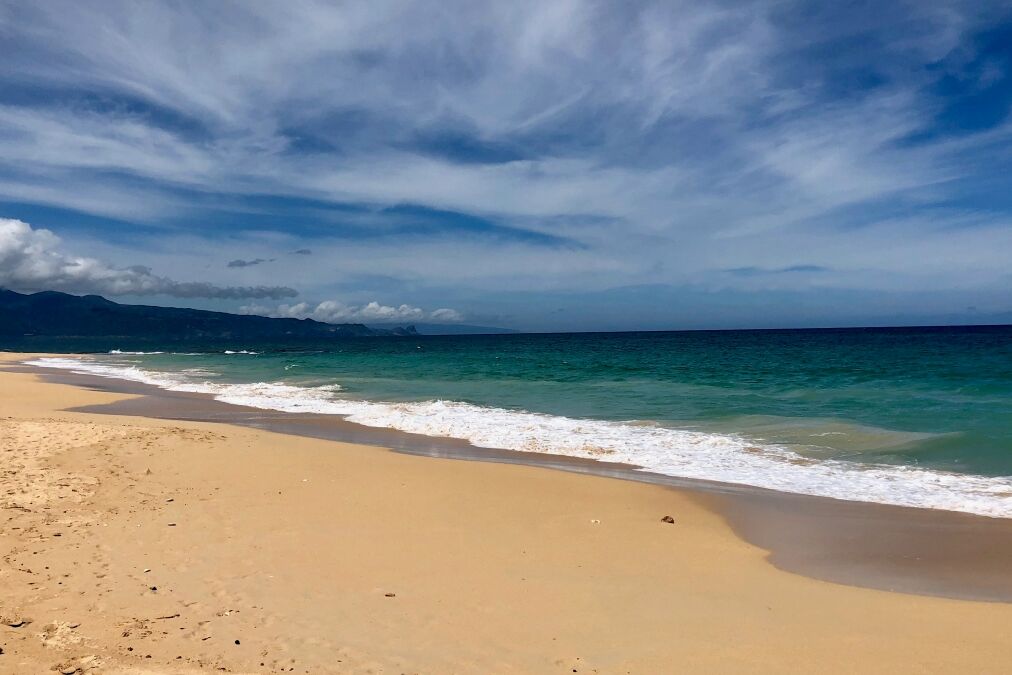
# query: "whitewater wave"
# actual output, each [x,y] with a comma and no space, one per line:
[679,453]
[121,352]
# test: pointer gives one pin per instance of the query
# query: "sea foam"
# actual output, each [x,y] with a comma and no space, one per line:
[679,453]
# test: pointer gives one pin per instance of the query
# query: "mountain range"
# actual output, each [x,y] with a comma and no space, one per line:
[62,320]
[50,314]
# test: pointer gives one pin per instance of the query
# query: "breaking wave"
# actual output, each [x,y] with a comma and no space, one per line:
[679,453]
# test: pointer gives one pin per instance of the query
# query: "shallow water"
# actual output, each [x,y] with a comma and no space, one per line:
[917,417]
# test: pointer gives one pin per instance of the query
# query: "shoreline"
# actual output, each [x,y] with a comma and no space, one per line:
[889,464]
[141,545]
[864,544]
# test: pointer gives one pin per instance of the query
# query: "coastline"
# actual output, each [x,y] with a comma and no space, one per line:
[282,549]
[895,548]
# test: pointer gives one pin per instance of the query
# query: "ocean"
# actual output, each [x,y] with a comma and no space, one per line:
[909,416]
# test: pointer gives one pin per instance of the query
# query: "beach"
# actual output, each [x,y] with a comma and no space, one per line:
[132,544]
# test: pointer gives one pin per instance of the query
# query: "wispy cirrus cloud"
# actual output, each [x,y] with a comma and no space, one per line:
[560,146]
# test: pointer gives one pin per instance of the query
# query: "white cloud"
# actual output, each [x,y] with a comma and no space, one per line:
[616,76]
[32,260]
[668,140]
[331,311]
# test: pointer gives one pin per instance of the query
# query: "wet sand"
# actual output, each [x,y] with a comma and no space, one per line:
[893,548]
[143,545]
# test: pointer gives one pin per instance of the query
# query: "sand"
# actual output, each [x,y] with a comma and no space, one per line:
[135,545]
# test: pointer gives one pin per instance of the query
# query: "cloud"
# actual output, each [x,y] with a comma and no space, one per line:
[792,269]
[487,147]
[736,117]
[31,260]
[447,315]
[249,263]
[331,311]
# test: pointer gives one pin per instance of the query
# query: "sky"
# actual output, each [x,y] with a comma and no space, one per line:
[550,165]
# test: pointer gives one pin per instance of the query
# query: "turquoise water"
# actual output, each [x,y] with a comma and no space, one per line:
[797,409]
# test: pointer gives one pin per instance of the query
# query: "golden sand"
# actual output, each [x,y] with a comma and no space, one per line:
[132,545]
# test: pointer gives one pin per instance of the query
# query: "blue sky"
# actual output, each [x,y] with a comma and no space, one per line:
[543,166]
